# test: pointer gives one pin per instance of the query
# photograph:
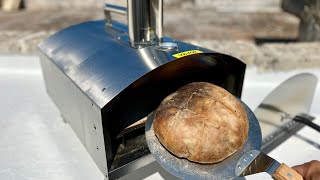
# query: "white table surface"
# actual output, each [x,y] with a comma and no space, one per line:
[36,144]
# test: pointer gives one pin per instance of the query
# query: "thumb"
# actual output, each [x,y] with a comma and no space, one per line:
[301,169]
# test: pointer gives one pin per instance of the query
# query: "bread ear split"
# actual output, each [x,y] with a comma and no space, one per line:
[201,122]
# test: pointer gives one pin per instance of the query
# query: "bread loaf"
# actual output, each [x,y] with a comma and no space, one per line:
[201,122]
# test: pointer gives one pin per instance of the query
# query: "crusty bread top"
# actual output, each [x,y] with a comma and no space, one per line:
[201,122]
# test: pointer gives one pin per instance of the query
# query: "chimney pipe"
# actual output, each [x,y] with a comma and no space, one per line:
[145,22]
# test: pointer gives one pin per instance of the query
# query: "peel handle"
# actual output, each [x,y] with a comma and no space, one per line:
[284,172]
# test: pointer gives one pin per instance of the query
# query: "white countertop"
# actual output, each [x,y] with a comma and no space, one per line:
[35,143]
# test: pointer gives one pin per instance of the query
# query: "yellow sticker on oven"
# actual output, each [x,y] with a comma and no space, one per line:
[186,53]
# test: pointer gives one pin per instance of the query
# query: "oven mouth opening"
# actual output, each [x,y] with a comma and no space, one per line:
[131,144]
[125,143]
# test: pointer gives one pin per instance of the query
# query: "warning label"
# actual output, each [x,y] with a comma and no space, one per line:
[186,53]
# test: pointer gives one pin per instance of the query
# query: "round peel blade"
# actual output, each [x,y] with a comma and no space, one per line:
[185,169]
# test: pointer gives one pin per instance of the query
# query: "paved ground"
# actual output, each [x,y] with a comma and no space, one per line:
[185,24]
[235,33]
[46,19]
[209,24]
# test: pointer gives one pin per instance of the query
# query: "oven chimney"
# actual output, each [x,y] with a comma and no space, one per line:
[145,21]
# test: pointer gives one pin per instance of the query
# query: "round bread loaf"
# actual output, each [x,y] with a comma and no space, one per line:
[201,122]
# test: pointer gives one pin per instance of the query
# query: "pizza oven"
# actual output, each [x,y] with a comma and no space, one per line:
[106,77]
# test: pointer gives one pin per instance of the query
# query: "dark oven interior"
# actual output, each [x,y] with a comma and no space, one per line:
[123,144]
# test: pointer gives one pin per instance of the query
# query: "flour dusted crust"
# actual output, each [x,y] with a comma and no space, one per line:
[201,122]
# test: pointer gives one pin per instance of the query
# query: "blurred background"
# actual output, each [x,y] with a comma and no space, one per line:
[270,34]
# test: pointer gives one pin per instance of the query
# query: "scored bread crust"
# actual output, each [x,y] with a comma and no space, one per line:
[201,122]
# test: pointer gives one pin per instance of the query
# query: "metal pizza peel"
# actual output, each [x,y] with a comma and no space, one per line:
[247,160]
[288,103]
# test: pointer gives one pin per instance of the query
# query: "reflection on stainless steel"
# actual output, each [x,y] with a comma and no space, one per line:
[115,9]
[144,22]
[157,20]
[151,58]
[253,162]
